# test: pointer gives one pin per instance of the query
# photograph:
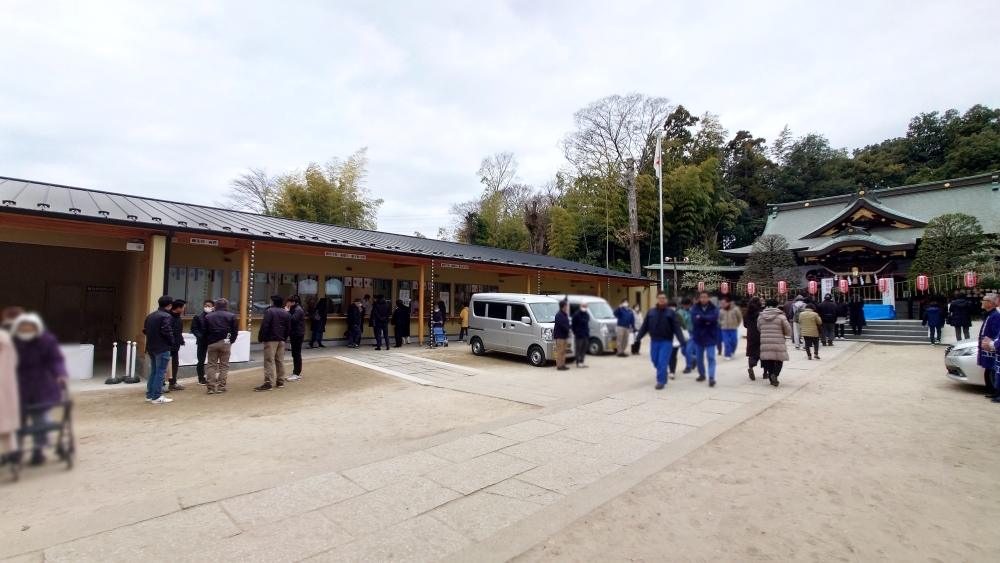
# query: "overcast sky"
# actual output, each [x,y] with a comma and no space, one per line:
[173,99]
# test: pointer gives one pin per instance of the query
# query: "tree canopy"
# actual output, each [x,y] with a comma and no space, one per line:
[951,243]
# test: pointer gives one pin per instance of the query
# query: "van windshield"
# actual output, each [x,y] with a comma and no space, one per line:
[600,310]
[545,312]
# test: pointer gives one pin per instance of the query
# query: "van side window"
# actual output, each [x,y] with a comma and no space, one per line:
[497,311]
[518,311]
[479,308]
[573,308]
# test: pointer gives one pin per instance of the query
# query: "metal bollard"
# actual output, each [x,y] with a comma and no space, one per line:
[130,364]
[113,380]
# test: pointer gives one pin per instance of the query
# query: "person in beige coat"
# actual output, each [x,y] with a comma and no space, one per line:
[774,328]
[811,321]
[10,403]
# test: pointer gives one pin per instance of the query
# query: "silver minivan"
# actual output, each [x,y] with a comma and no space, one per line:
[515,323]
[602,322]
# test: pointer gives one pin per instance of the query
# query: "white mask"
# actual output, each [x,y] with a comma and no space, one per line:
[209,309]
[26,336]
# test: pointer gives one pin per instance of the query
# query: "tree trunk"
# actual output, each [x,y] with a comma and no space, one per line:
[633,218]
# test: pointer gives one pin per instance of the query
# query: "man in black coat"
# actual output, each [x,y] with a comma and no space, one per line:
[274,330]
[297,335]
[198,330]
[177,324]
[221,330]
[159,330]
[581,333]
[560,333]
[828,314]
[381,314]
[960,315]
[662,325]
[355,318]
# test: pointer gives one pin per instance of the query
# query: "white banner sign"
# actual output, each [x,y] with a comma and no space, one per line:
[827,286]
[456,266]
[204,241]
[404,296]
[329,254]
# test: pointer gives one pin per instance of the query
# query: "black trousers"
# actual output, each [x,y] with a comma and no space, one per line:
[840,330]
[296,342]
[856,329]
[772,366]
[812,342]
[673,359]
[175,364]
[202,354]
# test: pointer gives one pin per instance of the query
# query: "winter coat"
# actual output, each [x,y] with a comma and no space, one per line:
[810,321]
[774,327]
[298,320]
[401,320]
[198,328]
[731,318]
[562,326]
[220,325]
[463,315]
[355,315]
[382,312]
[960,313]
[40,365]
[856,310]
[827,311]
[842,311]
[10,402]
[317,321]
[581,324]
[638,317]
[437,318]
[662,325]
[159,330]
[685,317]
[626,318]
[753,333]
[991,329]
[789,309]
[276,326]
[933,317]
[706,324]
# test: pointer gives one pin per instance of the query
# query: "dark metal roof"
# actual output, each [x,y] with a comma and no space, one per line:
[66,202]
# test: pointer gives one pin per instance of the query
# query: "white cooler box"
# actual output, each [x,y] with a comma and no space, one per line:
[240,351]
[79,360]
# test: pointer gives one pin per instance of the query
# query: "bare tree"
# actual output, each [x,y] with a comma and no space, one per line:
[254,190]
[611,132]
[498,172]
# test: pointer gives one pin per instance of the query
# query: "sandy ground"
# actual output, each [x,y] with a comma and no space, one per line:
[129,450]
[882,459]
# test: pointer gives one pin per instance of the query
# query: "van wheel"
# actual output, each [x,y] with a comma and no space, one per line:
[477,347]
[536,356]
[595,348]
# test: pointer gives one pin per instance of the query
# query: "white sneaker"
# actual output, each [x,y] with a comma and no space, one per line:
[148,400]
[165,389]
[161,401]
[293,377]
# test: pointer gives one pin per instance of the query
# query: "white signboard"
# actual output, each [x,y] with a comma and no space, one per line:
[359,282]
[329,254]
[404,296]
[204,241]
[456,266]
[135,246]
[827,287]
[369,282]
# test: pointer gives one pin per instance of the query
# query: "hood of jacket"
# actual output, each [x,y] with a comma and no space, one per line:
[770,313]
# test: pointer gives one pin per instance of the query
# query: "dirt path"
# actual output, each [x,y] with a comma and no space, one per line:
[883,459]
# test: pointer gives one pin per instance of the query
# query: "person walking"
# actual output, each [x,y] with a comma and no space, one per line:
[960,316]
[274,330]
[355,321]
[367,305]
[10,399]
[753,335]
[933,319]
[176,310]
[463,330]
[296,335]
[989,334]
[730,319]
[581,333]
[400,322]
[381,315]
[774,328]
[856,314]
[684,314]
[810,321]
[672,305]
[560,333]
[198,330]
[842,314]
[317,322]
[625,327]
[705,318]
[662,326]
[637,313]
[828,314]
[798,306]
[159,330]
[221,330]
[41,374]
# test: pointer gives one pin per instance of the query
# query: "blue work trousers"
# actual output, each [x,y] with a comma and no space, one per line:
[730,339]
[700,352]
[659,353]
[381,332]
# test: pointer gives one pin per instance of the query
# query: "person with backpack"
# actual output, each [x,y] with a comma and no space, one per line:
[810,321]
[960,315]
[933,319]
[828,313]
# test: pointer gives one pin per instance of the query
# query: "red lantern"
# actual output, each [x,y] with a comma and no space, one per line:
[813,287]
[970,279]
[922,283]
[701,286]
[751,287]
[782,287]
[883,284]
[843,286]
[725,287]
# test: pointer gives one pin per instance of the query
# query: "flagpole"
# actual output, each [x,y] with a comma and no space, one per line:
[659,173]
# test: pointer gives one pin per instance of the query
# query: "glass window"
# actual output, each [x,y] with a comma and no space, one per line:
[442,292]
[286,285]
[308,290]
[479,308]
[518,311]
[497,311]
[600,310]
[334,292]
[383,287]
[177,284]
[462,295]
[235,291]
[264,285]
[202,284]
[545,312]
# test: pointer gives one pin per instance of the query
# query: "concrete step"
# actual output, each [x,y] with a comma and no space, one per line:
[919,331]
[889,338]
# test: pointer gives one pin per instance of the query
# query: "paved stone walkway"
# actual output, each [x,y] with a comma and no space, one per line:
[484,496]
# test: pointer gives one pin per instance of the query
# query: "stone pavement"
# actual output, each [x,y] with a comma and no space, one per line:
[487,493]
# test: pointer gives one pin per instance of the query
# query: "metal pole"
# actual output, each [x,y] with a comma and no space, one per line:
[659,143]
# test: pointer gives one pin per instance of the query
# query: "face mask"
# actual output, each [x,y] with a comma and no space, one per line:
[27,336]
[209,309]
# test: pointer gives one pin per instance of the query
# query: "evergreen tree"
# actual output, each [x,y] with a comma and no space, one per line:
[949,243]
[770,261]
[562,233]
[699,256]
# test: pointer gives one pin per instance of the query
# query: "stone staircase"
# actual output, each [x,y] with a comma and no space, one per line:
[892,332]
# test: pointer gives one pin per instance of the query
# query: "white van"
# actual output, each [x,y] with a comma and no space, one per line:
[602,322]
[515,323]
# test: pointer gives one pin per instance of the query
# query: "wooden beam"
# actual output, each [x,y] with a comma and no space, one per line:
[246,301]
[398,266]
[73,227]
[420,308]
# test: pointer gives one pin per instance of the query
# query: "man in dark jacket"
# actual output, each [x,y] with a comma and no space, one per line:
[828,314]
[297,335]
[381,314]
[274,330]
[624,327]
[159,330]
[705,318]
[662,326]
[355,318]
[580,323]
[176,310]
[221,330]
[960,315]
[560,333]
[198,330]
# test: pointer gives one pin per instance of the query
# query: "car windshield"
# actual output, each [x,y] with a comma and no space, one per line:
[600,310]
[544,312]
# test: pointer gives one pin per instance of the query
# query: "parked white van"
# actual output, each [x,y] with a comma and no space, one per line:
[515,323]
[602,322]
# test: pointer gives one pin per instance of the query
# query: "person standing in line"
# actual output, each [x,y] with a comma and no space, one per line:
[580,323]
[297,334]
[637,313]
[159,330]
[662,326]
[198,330]
[960,315]
[828,314]
[221,330]
[798,306]
[355,320]
[560,333]
[176,310]
[856,314]
[381,315]
[401,322]
[367,305]
[842,314]
[463,331]
[10,399]
[705,318]
[989,334]
[933,319]
[773,328]
[317,323]
[625,327]
[274,330]
[41,374]
[730,319]
[753,335]
[810,322]
[684,314]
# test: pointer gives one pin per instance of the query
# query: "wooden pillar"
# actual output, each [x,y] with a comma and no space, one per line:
[528,287]
[600,288]
[246,301]
[157,272]
[421,303]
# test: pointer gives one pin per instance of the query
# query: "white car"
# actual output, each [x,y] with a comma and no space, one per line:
[960,361]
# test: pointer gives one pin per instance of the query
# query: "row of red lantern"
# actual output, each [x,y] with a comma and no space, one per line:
[813,286]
